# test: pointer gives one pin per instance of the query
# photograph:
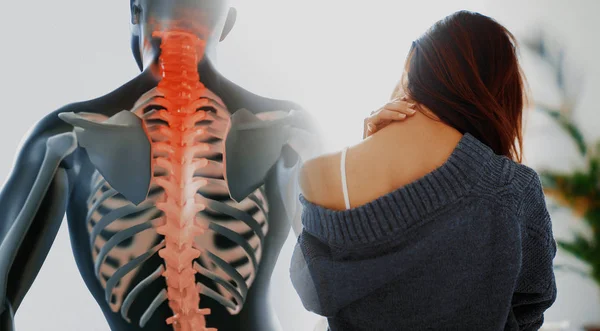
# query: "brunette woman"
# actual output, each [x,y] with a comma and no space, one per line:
[432,222]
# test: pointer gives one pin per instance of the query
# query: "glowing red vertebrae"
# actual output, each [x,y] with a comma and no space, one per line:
[181,86]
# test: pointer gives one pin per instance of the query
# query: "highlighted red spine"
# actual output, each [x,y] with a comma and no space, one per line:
[181,86]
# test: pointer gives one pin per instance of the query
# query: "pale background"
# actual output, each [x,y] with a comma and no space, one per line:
[339,59]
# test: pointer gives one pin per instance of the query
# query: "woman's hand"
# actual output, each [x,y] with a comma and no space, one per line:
[396,110]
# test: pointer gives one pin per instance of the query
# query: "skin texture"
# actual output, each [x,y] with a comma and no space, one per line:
[394,156]
[399,108]
[70,188]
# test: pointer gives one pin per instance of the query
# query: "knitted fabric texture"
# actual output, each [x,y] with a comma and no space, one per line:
[468,246]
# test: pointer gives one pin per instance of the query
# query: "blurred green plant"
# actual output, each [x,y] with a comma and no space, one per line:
[580,189]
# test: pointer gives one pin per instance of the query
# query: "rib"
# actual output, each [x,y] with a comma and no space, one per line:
[236,238]
[240,215]
[139,288]
[230,271]
[158,300]
[214,277]
[203,289]
[121,236]
[116,214]
[105,196]
[122,271]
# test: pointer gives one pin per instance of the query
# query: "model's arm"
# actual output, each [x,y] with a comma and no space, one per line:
[305,141]
[536,287]
[32,205]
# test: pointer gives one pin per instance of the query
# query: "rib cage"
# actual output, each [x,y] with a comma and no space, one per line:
[123,236]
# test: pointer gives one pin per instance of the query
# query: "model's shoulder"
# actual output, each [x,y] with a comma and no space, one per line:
[51,124]
[33,143]
[116,99]
[244,98]
[524,176]
[502,172]
[259,104]
[318,176]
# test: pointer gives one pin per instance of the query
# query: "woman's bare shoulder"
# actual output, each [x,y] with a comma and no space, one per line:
[319,178]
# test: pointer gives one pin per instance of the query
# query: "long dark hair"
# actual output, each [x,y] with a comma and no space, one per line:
[465,70]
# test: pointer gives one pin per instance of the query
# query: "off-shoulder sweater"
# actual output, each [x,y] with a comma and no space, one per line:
[468,246]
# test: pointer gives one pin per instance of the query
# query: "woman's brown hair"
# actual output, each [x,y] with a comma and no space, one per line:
[465,70]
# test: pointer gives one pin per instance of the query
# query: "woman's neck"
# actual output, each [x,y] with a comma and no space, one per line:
[416,145]
[417,130]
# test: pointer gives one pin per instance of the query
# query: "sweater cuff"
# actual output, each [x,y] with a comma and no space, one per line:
[312,289]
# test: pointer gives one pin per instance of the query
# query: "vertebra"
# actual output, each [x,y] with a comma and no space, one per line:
[181,88]
[187,208]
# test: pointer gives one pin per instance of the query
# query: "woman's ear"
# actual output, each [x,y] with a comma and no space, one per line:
[229,23]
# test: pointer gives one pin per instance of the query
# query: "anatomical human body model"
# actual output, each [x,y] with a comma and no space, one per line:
[173,190]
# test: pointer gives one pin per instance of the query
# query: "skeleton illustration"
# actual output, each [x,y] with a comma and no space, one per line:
[175,204]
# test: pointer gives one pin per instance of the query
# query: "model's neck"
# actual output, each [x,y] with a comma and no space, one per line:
[155,57]
[150,58]
[152,51]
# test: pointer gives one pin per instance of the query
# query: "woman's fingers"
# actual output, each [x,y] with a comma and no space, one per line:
[392,111]
[404,107]
[369,128]
[388,115]
[396,110]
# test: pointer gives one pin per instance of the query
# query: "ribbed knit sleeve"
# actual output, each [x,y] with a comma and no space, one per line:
[535,289]
[311,287]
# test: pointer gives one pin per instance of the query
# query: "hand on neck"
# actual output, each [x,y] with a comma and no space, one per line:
[413,126]
[415,135]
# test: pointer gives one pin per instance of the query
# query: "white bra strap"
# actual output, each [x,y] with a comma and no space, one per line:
[343,171]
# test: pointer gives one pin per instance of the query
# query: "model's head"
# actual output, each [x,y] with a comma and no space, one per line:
[464,69]
[210,20]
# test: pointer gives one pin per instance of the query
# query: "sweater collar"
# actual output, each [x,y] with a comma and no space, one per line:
[405,207]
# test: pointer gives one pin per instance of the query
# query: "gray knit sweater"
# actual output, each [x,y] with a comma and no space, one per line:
[469,246]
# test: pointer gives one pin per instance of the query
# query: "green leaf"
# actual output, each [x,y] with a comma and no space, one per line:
[580,247]
[568,126]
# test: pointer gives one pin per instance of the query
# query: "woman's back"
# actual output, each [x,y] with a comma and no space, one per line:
[442,230]
[394,157]
[458,247]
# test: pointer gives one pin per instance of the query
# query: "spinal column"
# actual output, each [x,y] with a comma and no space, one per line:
[181,86]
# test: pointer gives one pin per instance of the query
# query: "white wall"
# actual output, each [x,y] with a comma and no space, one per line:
[339,59]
